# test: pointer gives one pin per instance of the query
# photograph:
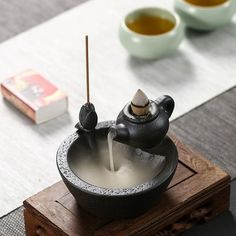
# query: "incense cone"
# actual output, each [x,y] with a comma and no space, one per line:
[140,103]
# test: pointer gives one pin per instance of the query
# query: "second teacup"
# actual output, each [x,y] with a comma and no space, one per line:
[205,14]
[151,32]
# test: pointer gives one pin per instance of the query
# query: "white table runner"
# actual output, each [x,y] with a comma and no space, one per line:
[203,67]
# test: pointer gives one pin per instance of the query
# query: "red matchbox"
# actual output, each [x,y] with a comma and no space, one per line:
[35,96]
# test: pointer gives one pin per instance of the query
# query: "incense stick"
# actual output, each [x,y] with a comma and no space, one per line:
[87,68]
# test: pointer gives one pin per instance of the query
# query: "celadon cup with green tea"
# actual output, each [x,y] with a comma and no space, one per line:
[151,32]
[205,14]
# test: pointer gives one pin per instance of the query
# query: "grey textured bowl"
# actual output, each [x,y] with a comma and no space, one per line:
[120,202]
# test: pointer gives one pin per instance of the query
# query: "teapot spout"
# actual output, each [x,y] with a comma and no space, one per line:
[119,133]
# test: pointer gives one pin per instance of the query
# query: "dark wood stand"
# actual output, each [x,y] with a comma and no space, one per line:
[198,192]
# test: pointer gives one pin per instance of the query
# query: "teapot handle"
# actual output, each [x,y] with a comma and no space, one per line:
[167,103]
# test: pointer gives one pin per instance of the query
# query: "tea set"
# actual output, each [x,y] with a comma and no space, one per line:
[196,14]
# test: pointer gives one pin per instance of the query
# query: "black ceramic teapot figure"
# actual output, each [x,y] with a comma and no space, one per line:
[143,123]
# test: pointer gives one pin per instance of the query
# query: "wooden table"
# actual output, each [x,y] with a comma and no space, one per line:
[198,192]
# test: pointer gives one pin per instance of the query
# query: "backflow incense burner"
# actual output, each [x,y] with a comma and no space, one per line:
[144,136]
[124,176]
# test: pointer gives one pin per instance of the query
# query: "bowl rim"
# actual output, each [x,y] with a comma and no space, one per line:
[207,8]
[168,33]
[69,175]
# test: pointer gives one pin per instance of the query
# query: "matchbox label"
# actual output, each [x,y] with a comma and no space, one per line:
[33,89]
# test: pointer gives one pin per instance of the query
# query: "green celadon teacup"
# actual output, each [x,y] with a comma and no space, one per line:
[205,17]
[151,46]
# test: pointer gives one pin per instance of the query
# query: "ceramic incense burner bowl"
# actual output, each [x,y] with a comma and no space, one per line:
[113,202]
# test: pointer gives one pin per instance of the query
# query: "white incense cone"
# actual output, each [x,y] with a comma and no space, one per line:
[140,103]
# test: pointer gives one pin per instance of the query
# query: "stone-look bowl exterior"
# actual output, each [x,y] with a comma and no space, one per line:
[116,203]
[152,46]
[205,18]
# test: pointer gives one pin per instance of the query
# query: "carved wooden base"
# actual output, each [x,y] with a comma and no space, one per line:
[198,192]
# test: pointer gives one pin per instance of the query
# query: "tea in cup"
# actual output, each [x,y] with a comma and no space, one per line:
[151,33]
[205,14]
